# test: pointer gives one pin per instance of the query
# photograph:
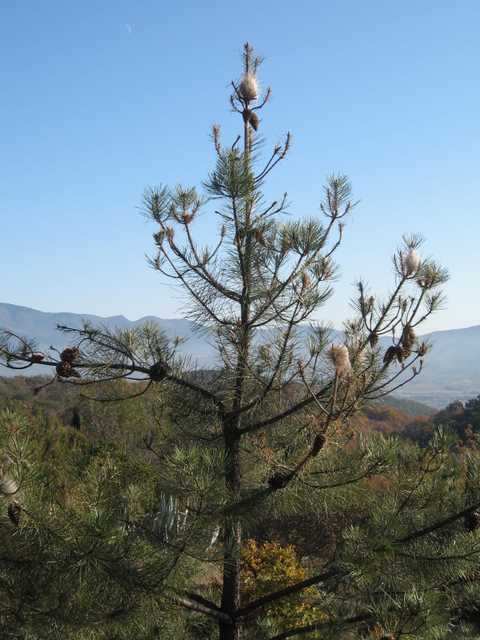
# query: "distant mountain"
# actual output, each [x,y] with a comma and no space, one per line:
[42,326]
[451,371]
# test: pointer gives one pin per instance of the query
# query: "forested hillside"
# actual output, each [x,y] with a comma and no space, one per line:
[67,405]
[77,455]
[70,405]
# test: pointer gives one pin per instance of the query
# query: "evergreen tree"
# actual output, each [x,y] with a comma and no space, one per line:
[266,438]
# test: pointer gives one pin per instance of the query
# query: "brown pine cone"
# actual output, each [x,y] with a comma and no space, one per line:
[14,511]
[158,372]
[279,480]
[65,370]
[318,444]
[472,521]
[70,354]
[254,121]
[390,355]
[408,338]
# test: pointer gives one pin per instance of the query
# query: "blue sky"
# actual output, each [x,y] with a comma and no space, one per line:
[101,99]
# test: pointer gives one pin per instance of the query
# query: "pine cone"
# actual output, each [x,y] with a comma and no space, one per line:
[279,481]
[37,357]
[65,370]
[408,338]
[318,444]
[14,511]
[254,121]
[472,521]
[70,354]
[390,355]
[158,372]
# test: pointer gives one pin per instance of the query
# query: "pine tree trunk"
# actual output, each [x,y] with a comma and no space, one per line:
[233,537]
[232,524]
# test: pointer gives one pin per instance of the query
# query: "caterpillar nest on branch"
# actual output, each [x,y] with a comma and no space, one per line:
[8,486]
[341,360]
[411,263]
[248,88]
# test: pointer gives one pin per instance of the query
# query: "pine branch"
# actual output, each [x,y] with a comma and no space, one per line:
[262,424]
[262,602]
[322,625]
[420,533]
[199,607]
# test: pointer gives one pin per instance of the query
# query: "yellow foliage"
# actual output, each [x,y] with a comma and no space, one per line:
[270,566]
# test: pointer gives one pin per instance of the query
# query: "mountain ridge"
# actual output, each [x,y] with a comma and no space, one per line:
[149,317]
[451,371]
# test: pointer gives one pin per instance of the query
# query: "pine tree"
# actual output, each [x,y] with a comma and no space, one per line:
[269,430]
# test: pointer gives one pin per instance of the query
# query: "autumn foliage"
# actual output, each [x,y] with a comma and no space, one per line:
[269,566]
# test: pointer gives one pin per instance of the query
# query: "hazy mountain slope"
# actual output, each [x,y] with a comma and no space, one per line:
[407,406]
[43,327]
[451,372]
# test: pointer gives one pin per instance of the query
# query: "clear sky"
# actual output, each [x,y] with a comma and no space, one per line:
[100,99]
